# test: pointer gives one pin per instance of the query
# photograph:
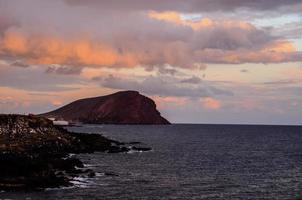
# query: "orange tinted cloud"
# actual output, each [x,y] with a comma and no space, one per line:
[173,17]
[280,47]
[52,50]
[233,48]
[176,18]
[15,43]
[211,103]
[275,52]
[46,50]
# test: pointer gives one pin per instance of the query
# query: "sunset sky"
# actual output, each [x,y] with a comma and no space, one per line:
[202,61]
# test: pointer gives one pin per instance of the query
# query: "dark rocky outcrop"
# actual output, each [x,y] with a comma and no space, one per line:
[126,107]
[35,154]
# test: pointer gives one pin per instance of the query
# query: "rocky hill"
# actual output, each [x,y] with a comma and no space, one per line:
[126,107]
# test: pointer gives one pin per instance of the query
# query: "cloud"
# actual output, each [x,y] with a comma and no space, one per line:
[164,69]
[146,38]
[164,102]
[281,82]
[47,94]
[249,104]
[64,70]
[249,56]
[5,20]
[7,101]
[192,80]
[294,73]
[19,101]
[57,103]
[291,30]
[185,6]
[163,86]
[218,34]
[35,49]
[196,25]
[19,64]
[211,103]
[33,79]
[225,42]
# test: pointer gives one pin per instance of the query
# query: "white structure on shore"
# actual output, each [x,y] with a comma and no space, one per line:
[59,122]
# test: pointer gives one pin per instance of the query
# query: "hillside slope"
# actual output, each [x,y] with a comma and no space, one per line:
[125,107]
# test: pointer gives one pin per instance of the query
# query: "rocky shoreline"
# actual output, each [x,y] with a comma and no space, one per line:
[34,154]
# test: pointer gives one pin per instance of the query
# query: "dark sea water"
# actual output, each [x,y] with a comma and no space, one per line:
[191,162]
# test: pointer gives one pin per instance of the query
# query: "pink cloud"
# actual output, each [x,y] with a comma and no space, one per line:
[163,102]
[211,103]
[57,103]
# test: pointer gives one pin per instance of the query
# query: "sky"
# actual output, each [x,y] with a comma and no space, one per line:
[201,61]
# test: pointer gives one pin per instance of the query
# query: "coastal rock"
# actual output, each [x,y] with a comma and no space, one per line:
[126,107]
[34,153]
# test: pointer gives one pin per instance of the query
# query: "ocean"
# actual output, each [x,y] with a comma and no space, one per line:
[190,162]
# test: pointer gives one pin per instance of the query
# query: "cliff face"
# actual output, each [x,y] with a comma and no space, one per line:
[127,107]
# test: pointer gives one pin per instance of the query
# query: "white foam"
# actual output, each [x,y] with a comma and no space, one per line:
[89,165]
[134,151]
[59,188]
[82,182]
[98,174]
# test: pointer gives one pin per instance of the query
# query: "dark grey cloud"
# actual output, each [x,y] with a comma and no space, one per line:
[187,5]
[230,37]
[282,82]
[192,80]
[19,64]
[64,70]
[164,69]
[163,86]
[30,79]
[244,71]
[291,30]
